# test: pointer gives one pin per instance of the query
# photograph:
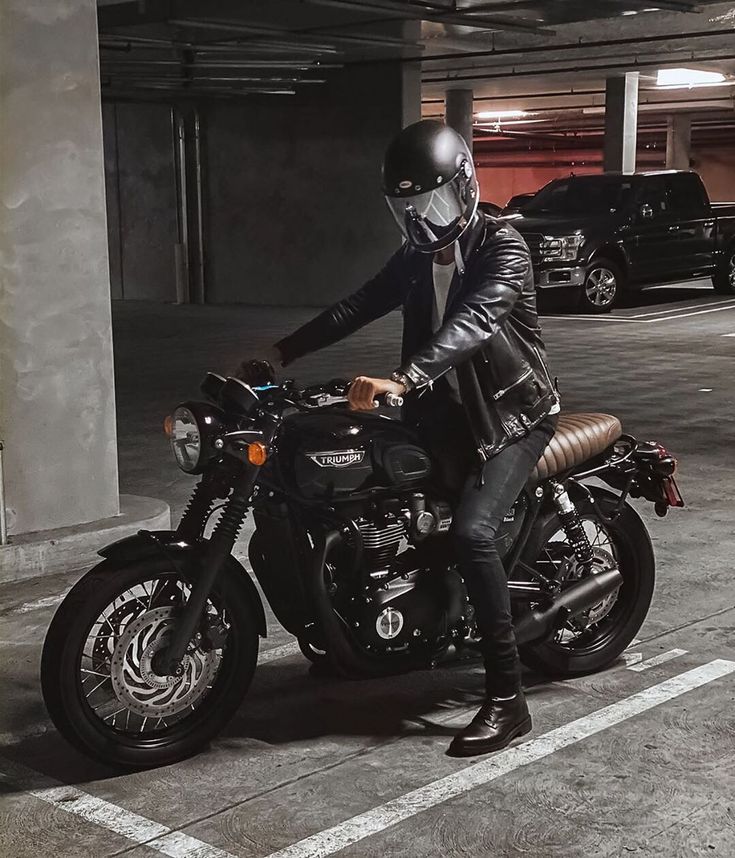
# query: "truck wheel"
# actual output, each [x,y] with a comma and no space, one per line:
[603,284]
[724,278]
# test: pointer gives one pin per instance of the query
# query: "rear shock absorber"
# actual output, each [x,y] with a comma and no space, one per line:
[571,524]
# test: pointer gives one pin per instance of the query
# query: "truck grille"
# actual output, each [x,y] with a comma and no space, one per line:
[533,240]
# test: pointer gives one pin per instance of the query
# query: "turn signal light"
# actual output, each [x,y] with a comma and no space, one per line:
[257,453]
[168,425]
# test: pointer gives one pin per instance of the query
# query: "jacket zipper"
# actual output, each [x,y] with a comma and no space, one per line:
[502,392]
[546,372]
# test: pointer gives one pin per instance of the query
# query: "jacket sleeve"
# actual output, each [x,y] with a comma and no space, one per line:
[376,298]
[498,284]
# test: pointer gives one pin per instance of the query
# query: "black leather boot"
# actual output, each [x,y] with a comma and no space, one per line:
[494,727]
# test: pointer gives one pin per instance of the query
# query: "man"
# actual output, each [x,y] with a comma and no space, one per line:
[473,354]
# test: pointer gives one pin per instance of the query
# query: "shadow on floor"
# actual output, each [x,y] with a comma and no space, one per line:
[287,704]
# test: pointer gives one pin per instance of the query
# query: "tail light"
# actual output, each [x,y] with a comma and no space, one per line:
[657,457]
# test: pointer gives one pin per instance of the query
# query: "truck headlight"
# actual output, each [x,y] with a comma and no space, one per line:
[561,248]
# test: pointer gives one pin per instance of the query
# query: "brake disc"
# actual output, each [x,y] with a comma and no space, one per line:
[137,685]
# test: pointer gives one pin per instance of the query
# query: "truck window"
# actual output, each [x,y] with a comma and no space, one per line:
[580,195]
[653,193]
[687,196]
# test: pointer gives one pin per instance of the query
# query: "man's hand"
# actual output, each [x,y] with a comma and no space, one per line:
[364,390]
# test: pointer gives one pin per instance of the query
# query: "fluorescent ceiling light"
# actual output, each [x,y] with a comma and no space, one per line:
[501,114]
[687,77]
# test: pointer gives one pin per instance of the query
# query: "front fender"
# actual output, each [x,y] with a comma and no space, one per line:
[182,557]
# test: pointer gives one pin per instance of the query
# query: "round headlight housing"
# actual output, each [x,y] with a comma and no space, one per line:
[192,429]
[186,439]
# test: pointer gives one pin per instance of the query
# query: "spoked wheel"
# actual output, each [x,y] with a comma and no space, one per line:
[594,640]
[602,287]
[101,675]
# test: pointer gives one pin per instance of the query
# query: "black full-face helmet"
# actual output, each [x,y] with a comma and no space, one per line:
[430,184]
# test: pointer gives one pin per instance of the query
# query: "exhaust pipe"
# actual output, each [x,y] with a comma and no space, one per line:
[584,594]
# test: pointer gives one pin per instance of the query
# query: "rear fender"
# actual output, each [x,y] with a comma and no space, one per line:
[183,557]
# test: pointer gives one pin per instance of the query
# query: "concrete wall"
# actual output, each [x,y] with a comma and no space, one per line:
[57,411]
[141,200]
[295,211]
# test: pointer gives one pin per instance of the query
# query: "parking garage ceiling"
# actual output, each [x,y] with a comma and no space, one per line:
[537,66]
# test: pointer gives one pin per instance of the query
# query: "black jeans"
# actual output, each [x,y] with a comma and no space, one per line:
[480,506]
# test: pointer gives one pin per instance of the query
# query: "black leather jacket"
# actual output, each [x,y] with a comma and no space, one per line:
[490,332]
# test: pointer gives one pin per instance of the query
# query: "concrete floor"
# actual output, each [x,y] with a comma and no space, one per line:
[304,755]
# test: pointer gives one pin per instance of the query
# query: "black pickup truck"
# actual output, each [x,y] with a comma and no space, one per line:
[606,234]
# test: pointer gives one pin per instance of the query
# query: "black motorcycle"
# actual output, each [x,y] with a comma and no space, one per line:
[153,650]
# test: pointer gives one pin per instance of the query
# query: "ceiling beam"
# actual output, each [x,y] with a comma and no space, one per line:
[425,12]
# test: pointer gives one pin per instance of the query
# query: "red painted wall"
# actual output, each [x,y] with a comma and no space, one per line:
[498,184]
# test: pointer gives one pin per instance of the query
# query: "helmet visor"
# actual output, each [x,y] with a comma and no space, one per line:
[433,219]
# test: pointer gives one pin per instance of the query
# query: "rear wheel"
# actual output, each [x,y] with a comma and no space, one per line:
[100,676]
[724,277]
[596,639]
[602,287]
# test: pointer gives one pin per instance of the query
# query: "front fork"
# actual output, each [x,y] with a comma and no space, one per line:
[218,550]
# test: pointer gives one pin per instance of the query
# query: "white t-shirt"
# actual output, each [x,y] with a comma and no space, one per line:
[443,275]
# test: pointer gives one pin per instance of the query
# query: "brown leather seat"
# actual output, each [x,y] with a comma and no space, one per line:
[578,438]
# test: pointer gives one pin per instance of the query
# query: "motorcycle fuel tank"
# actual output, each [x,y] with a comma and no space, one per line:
[333,454]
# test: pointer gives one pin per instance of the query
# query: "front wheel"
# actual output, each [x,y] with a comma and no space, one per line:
[596,639]
[100,675]
[724,278]
[602,287]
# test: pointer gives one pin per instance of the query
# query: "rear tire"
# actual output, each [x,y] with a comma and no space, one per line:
[724,278]
[634,555]
[66,651]
[602,287]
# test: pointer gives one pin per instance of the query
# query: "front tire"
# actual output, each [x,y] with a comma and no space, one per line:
[98,673]
[724,278]
[602,287]
[630,546]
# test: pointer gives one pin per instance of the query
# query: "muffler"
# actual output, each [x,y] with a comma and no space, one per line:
[584,594]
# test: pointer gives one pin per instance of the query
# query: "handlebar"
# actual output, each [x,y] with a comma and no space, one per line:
[258,376]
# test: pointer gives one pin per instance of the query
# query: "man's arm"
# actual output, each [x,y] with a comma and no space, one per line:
[376,298]
[480,315]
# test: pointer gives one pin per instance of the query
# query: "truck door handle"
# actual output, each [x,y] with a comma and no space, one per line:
[674,228]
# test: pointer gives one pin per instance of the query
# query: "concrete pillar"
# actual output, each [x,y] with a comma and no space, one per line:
[410,74]
[459,112]
[621,123]
[57,401]
[678,142]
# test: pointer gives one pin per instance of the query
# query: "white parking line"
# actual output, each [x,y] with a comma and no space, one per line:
[657,659]
[45,602]
[728,335]
[674,318]
[670,315]
[727,301]
[399,809]
[127,824]
[278,652]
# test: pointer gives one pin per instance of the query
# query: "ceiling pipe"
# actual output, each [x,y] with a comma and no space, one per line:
[572,46]
[288,35]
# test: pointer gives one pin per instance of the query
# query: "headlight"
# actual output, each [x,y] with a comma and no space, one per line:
[561,248]
[192,429]
[186,439]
